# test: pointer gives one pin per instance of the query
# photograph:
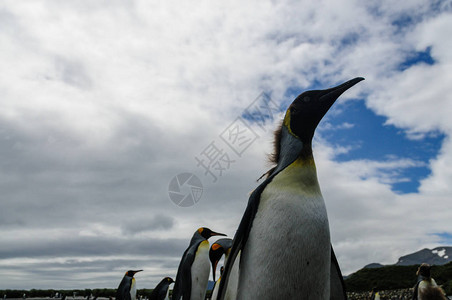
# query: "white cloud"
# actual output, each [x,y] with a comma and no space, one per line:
[103,103]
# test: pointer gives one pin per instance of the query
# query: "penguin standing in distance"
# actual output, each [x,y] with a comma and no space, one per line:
[127,289]
[220,247]
[161,291]
[194,268]
[284,235]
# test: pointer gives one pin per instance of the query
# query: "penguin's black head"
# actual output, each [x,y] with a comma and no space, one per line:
[207,233]
[220,247]
[130,273]
[302,118]
[306,111]
[169,280]
[215,253]
[424,270]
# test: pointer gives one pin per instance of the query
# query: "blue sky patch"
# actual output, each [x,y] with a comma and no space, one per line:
[403,21]
[262,110]
[417,57]
[446,238]
[354,126]
[408,19]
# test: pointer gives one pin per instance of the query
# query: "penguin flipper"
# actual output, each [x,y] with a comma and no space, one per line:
[127,294]
[159,292]
[337,285]
[123,291]
[182,287]
[242,233]
[186,275]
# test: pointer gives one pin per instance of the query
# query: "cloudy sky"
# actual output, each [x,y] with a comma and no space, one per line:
[103,103]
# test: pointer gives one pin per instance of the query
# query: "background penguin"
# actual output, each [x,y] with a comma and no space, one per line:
[220,247]
[284,234]
[127,289]
[194,268]
[161,291]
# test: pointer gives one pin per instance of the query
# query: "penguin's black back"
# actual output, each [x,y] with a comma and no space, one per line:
[159,292]
[182,286]
[123,291]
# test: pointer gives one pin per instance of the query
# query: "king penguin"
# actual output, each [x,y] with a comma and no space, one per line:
[284,236]
[220,247]
[194,268]
[161,291]
[127,289]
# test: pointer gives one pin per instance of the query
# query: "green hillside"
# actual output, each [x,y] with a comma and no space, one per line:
[396,277]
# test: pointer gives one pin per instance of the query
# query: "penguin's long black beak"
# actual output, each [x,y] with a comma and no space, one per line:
[213,233]
[214,269]
[309,108]
[329,96]
[134,272]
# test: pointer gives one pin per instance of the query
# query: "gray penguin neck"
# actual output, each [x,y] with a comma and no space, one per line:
[291,149]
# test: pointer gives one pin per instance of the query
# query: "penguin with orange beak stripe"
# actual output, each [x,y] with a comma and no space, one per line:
[127,289]
[194,268]
[220,247]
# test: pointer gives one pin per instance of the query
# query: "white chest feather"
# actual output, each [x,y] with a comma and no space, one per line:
[200,270]
[288,252]
[233,282]
[215,290]
[167,294]
[133,290]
